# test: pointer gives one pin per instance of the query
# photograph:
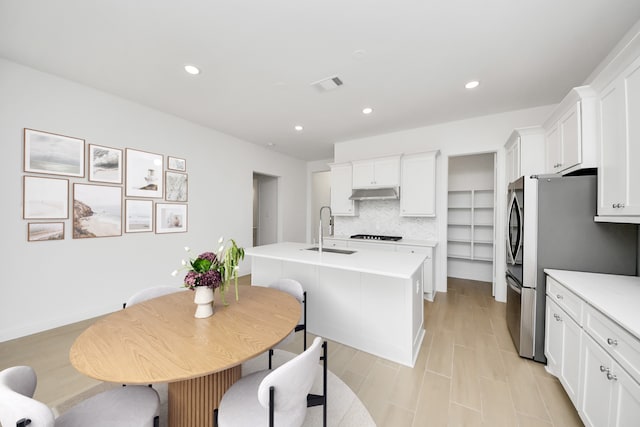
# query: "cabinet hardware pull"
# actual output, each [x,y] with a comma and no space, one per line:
[611,377]
[603,369]
[611,341]
[559,296]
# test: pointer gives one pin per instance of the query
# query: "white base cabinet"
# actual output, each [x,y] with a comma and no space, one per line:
[595,359]
[610,397]
[562,348]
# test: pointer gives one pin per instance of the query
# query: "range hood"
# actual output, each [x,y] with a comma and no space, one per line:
[375,194]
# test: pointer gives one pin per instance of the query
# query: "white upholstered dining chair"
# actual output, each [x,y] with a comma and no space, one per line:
[132,406]
[278,397]
[293,288]
[149,293]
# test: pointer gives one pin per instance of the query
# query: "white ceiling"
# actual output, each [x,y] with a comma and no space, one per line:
[259,57]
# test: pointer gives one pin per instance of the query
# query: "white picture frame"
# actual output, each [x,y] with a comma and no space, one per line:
[171,218]
[144,172]
[45,198]
[53,154]
[97,211]
[105,164]
[138,216]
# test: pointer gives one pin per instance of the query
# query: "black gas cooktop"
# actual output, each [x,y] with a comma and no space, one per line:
[375,237]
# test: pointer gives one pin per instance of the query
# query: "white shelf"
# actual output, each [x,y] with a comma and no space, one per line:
[470,225]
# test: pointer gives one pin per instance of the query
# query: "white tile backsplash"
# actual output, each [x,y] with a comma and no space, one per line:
[383,217]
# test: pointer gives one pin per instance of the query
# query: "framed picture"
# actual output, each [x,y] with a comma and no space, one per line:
[53,154]
[138,216]
[175,186]
[45,198]
[43,231]
[176,164]
[171,218]
[144,174]
[105,164]
[97,211]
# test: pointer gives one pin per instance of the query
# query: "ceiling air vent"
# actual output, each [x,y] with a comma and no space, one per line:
[327,84]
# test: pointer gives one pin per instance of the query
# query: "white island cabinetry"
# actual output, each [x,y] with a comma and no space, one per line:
[369,300]
[593,344]
[411,246]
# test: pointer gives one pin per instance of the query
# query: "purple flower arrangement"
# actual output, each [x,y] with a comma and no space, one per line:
[214,270]
[203,271]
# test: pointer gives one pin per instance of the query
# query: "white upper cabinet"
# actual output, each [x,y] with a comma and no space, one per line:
[341,176]
[619,173]
[376,173]
[524,152]
[418,184]
[571,133]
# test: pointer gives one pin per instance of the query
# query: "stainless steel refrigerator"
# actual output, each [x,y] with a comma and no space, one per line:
[551,224]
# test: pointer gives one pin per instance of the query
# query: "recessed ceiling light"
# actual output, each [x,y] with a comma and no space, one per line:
[192,69]
[298,128]
[472,84]
[367,110]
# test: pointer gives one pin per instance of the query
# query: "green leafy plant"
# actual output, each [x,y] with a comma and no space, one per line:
[214,269]
[231,261]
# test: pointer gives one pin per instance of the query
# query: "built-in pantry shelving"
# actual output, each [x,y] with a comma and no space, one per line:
[470,225]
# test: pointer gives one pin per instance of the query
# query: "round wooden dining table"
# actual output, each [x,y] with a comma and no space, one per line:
[160,341]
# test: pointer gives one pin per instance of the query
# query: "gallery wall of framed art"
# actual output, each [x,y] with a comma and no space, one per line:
[106,191]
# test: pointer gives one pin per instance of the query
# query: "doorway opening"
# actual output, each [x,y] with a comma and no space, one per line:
[471,218]
[320,196]
[265,209]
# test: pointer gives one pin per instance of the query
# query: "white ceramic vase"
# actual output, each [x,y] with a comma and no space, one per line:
[204,300]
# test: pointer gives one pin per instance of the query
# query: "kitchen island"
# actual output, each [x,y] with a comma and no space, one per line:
[369,300]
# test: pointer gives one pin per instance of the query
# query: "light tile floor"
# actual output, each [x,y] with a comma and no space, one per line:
[467,373]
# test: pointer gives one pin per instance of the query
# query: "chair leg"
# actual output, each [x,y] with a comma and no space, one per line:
[156,421]
[215,417]
[316,400]
[270,357]
[304,337]
[271,405]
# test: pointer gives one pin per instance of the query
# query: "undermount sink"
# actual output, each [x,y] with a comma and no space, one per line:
[333,251]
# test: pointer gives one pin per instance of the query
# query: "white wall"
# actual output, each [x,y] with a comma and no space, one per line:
[477,135]
[47,284]
[471,172]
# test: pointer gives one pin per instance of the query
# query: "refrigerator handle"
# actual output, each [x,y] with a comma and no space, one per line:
[514,287]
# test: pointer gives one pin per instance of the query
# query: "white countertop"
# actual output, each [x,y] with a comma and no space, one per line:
[393,264]
[410,242]
[613,295]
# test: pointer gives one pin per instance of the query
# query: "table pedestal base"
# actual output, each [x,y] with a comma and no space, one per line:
[191,402]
